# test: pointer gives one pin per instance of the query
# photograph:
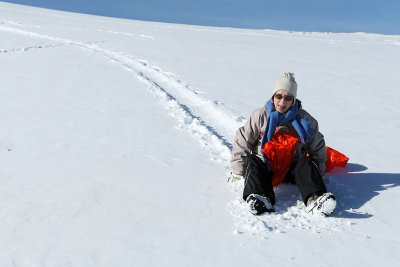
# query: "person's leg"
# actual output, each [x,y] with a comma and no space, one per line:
[257,179]
[308,179]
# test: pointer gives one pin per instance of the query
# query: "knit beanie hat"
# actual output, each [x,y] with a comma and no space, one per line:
[288,83]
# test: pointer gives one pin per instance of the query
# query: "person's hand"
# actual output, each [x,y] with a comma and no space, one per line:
[235,178]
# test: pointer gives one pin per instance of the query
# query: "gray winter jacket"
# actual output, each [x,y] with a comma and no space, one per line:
[248,140]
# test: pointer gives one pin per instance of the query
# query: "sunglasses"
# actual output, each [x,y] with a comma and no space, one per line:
[287,97]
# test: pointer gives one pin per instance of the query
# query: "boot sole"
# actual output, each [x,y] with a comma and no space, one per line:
[325,204]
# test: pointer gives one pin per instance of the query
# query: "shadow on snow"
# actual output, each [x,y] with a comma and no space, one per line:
[351,186]
[354,190]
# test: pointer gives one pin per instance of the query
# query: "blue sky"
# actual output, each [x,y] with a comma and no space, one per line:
[377,16]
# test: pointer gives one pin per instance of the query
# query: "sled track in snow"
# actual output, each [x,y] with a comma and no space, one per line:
[25,49]
[194,113]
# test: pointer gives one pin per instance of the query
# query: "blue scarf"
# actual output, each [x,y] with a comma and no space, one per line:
[303,127]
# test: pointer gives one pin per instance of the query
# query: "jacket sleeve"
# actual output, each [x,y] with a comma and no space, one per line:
[317,148]
[246,140]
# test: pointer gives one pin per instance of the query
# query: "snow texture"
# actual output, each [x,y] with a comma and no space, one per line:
[116,137]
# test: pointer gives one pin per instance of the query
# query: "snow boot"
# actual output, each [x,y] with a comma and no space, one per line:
[259,204]
[324,204]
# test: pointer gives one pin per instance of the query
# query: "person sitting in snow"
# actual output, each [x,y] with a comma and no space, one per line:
[283,114]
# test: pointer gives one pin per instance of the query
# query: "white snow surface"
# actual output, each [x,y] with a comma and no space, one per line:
[116,135]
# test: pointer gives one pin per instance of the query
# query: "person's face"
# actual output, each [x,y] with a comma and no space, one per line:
[282,101]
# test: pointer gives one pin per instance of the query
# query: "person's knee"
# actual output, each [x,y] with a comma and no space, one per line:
[254,160]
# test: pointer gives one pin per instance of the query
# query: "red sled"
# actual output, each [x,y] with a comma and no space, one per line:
[280,152]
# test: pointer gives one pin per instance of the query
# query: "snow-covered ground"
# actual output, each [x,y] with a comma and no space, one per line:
[116,134]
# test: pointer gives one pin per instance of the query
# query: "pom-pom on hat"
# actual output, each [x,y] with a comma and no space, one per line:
[288,83]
